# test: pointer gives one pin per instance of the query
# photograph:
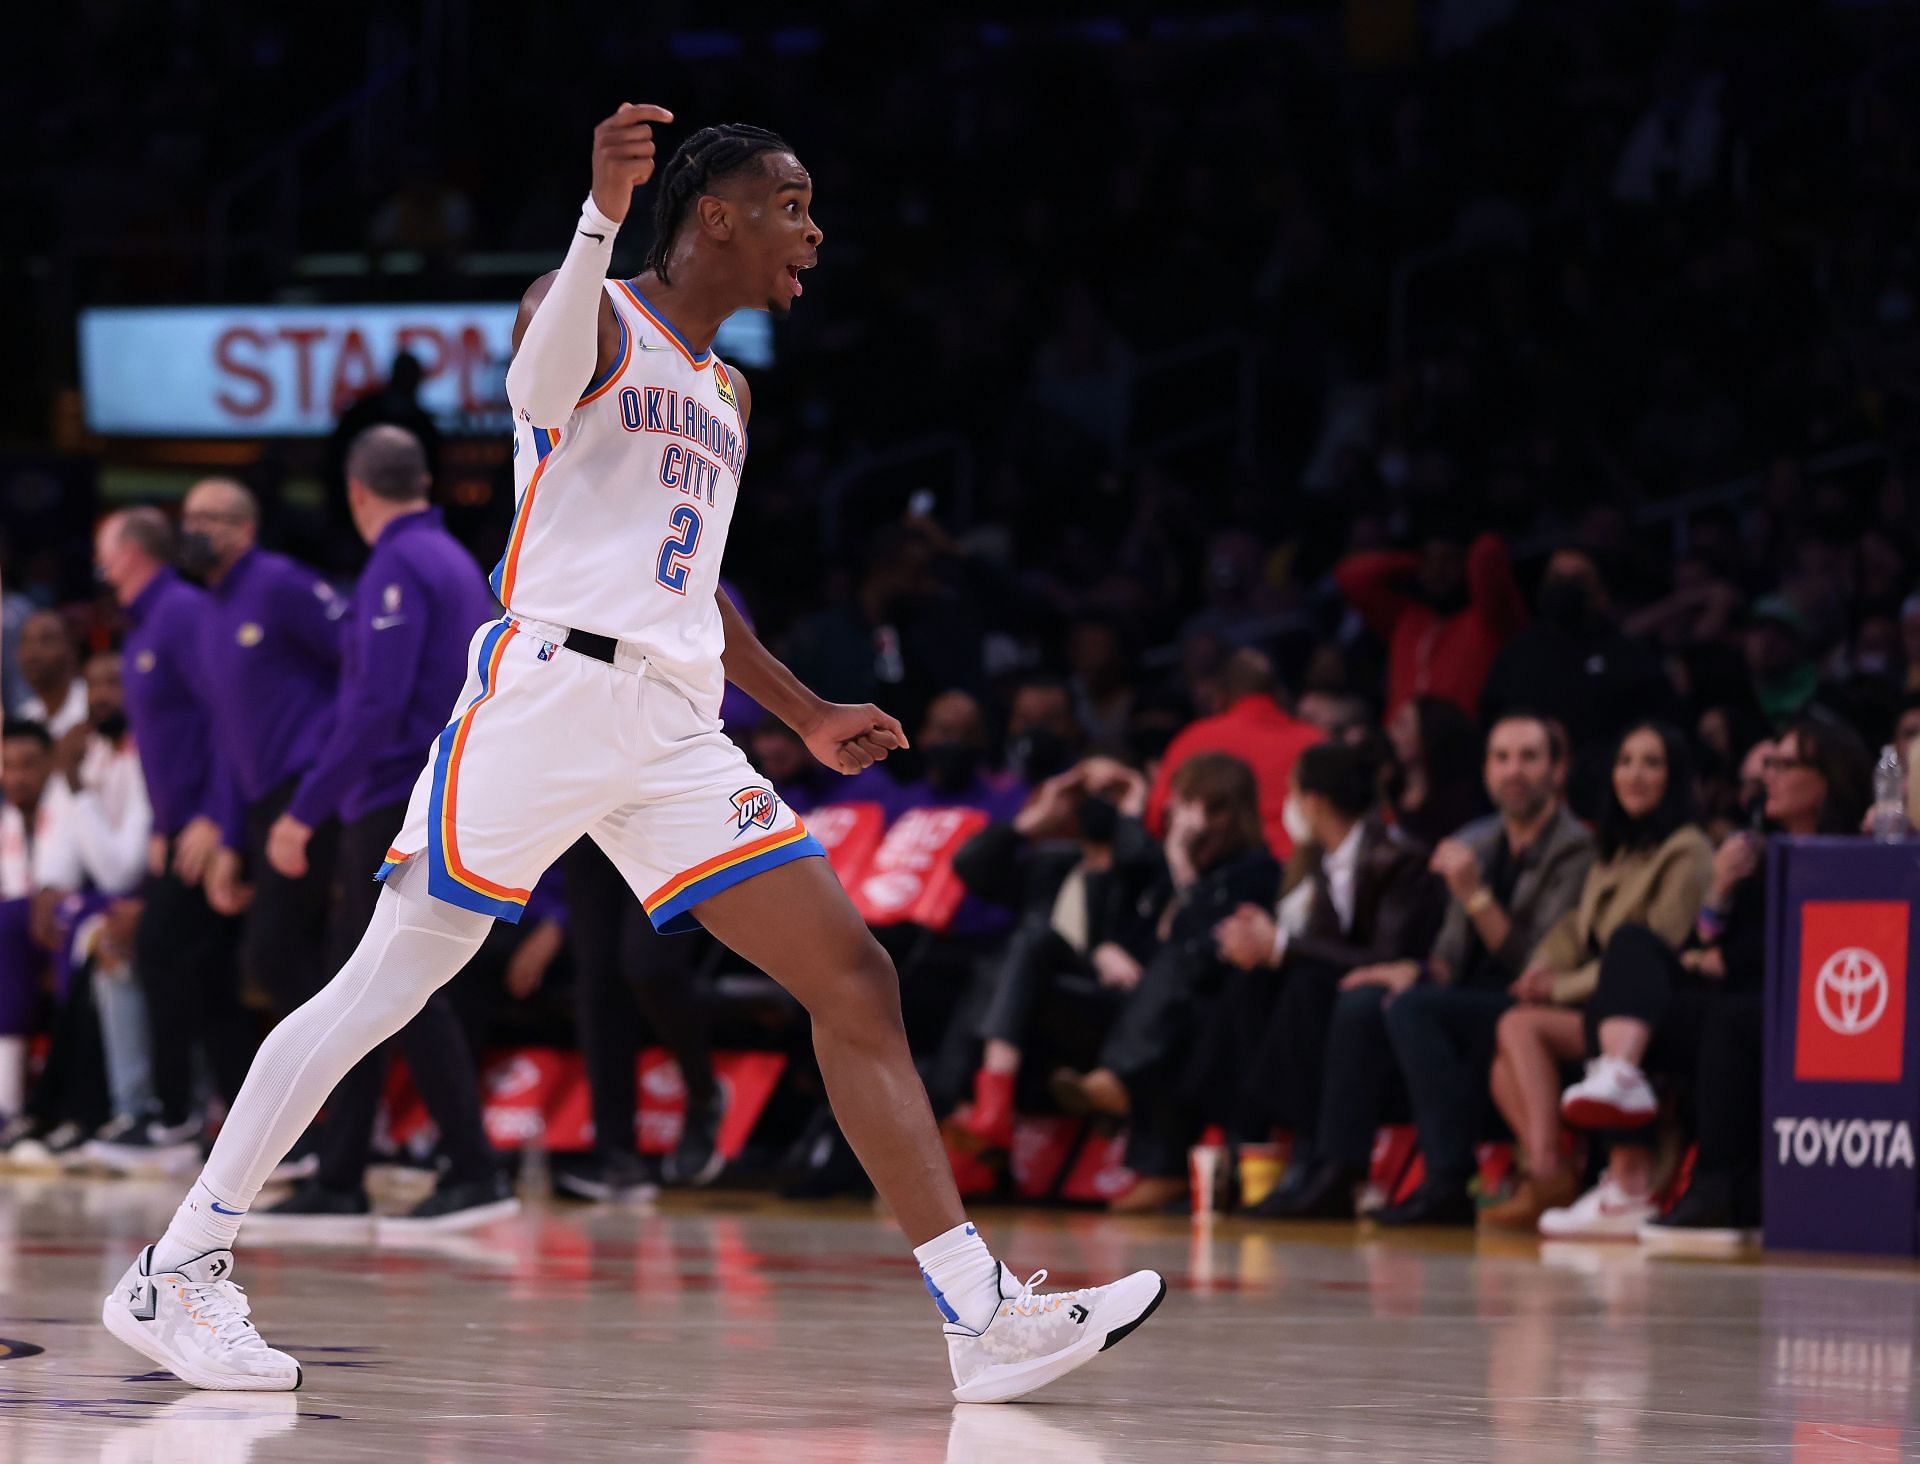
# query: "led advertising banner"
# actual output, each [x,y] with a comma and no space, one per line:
[290,370]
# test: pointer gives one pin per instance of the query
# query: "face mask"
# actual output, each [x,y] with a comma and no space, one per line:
[951,765]
[1563,602]
[1294,819]
[197,555]
[112,726]
[1037,754]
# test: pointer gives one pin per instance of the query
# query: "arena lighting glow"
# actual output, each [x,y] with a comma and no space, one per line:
[289,370]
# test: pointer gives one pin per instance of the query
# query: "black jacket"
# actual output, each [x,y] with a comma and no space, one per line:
[1397,907]
[1006,867]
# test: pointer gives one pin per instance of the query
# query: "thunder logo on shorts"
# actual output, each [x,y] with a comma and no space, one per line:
[753,807]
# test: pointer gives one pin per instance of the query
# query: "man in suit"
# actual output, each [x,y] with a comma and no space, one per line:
[1511,876]
[1322,1067]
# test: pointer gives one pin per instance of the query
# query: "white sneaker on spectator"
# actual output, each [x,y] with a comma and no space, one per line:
[153,1150]
[1605,1212]
[1033,1339]
[48,1150]
[1613,1095]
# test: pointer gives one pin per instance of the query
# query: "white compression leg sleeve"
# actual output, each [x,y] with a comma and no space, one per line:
[413,945]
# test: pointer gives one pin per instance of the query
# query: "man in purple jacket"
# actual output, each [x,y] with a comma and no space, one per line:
[406,634]
[270,664]
[184,953]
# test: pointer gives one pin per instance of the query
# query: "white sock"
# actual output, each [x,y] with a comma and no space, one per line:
[204,1222]
[13,1076]
[962,1275]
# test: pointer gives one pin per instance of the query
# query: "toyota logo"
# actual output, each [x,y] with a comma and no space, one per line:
[1850,992]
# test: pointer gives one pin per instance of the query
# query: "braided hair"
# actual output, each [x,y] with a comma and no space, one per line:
[710,154]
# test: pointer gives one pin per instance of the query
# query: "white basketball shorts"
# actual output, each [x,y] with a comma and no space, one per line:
[547,744]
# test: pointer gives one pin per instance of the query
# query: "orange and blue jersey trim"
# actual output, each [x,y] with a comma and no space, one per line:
[602,384]
[447,877]
[698,362]
[670,907]
[545,441]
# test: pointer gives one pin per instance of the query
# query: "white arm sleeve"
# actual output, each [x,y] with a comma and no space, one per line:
[555,362]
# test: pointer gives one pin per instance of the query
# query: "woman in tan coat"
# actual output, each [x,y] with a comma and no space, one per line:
[1653,870]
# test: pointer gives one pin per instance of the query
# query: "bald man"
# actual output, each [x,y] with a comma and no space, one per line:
[419,601]
[270,654]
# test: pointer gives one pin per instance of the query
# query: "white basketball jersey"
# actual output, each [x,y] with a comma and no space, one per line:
[620,515]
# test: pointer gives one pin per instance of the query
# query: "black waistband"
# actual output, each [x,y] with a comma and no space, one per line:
[600,647]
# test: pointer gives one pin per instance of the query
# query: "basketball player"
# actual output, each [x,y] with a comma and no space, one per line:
[592,707]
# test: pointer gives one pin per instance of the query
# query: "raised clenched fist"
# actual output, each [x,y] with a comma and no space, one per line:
[623,156]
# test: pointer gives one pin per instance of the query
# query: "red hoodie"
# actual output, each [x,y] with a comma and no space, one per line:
[1430,654]
[1255,730]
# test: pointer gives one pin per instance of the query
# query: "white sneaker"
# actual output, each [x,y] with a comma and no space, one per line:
[1613,1095]
[1034,1339]
[1605,1212]
[193,1322]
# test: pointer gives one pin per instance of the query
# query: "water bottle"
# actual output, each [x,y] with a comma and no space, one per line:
[1889,797]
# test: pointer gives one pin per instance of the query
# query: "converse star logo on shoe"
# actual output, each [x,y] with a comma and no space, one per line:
[1080,1315]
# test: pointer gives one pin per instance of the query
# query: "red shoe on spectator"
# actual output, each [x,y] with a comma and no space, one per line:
[988,1125]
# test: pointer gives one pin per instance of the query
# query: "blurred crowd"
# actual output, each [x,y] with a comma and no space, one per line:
[1382,720]
[1504,888]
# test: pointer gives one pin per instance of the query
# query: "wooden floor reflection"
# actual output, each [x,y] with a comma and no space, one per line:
[735,1330]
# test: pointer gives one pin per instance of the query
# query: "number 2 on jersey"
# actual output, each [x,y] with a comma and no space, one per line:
[678,546]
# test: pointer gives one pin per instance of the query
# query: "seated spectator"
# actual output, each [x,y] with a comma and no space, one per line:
[1043,739]
[89,860]
[1253,728]
[1697,1014]
[1780,663]
[1217,861]
[796,774]
[1512,877]
[951,742]
[1653,871]
[1445,616]
[26,762]
[1078,865]
[1314,1059]
[1433,790]
[900,638]
[1101,681]
[1334,712]
[1572,663]
[57,695]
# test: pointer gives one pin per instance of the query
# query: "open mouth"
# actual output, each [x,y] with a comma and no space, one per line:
[793,277]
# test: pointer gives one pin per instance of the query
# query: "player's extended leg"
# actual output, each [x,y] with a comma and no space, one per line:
[177,1304]
[795,923]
